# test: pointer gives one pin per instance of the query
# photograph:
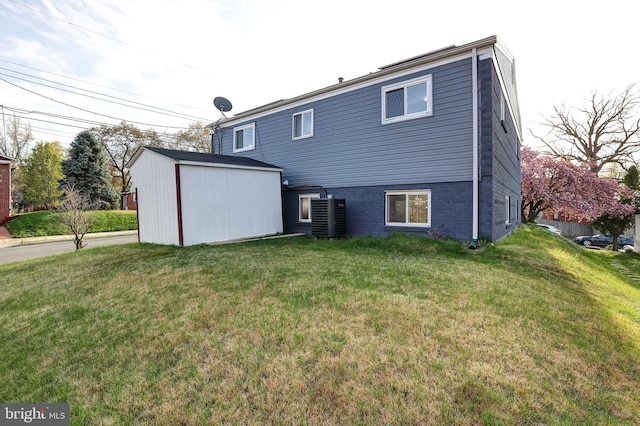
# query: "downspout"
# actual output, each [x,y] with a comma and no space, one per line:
[474,84]
[11,169]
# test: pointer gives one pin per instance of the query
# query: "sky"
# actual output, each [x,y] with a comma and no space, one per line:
[67,65]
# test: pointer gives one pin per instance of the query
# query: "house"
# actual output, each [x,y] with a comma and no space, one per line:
[428,145]
[186,198]
[6,166]
[129,200]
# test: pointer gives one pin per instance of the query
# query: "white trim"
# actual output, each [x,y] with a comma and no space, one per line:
[426,192]
[485,54]
[310,197]
[227,166]
[475,139]
[507,98]
[293,125]
[427,79]
[243,128]
[352,87]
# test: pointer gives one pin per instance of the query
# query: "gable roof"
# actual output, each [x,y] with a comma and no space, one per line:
[205,158]
[5,159]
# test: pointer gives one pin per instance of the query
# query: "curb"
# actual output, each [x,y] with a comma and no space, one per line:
[12,242]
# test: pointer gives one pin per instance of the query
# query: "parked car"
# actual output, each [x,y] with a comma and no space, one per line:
[549,228]
[600,240]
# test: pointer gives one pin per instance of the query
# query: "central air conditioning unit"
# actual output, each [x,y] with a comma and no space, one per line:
[328,218]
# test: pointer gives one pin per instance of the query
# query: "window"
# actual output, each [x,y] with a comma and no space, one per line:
[408,208]
[508,209]
[304,202]
[407,100]
[302,125]
[244,138]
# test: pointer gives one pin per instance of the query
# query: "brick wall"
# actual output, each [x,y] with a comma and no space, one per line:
[5,192]
[500,160]
[451,207]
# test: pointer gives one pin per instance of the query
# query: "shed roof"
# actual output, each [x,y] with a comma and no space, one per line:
[200,157]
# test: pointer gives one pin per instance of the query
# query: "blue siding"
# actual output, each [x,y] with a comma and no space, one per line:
[500,161]
[351,147]
[451,208]
[355,157]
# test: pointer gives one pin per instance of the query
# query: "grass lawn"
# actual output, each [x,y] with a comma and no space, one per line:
[45,223]
[400,330]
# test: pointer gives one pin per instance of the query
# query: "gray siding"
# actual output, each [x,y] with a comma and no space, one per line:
[353,156]
[451,207]
[351,147]
[500,161]
[508,72]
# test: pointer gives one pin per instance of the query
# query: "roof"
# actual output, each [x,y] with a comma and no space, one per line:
[200,157]
[6,160]
[387,70]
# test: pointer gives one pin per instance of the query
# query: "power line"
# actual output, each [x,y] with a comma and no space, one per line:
[167,112]
[60,116]
[78,26]
[99,34]
[102,86]
[24,114]
[88,111]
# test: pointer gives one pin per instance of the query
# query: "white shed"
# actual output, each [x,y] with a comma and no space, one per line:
[186,198]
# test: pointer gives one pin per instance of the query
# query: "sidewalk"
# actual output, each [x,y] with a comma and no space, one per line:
[7,241]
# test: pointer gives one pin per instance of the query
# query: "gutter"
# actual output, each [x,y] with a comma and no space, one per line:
[475,204]
[385,71]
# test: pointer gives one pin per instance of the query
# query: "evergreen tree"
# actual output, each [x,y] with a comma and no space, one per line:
[86,169]
[41,175]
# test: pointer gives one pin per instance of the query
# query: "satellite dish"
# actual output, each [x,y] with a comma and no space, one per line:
[223,104]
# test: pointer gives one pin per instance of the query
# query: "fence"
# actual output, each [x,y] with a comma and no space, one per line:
[570,229]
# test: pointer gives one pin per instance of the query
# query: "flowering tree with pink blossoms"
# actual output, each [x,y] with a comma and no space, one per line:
[562,186]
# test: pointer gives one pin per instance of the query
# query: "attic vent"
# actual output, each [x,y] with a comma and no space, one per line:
[328,218]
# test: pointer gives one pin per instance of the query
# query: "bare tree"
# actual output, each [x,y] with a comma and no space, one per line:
[604,130]
[77,213]
[120,143]
[196,138]
[15,143]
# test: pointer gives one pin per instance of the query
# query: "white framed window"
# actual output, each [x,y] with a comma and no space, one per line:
[302,125]
[304,206]
[507,200]
[408,208]
[244,138]
[407,100]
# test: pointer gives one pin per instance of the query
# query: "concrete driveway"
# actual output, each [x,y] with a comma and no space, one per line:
[14,250]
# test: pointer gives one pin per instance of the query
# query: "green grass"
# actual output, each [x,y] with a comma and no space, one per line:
[400,330]
[44,223]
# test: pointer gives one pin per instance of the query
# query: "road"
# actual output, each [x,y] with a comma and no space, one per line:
[32,251]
